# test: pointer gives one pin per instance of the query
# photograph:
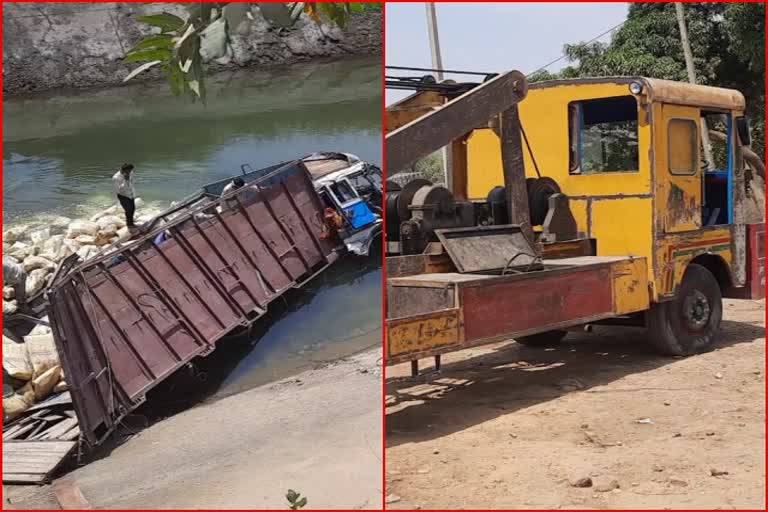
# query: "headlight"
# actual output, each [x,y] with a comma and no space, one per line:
[635,87]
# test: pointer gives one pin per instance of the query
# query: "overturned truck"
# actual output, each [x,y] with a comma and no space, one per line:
[124,321]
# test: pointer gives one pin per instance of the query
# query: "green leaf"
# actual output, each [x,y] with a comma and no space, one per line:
[166,21]
[158,41]
[141,69]
[176,78]
[159,54]
[190,30]
[301,503]
[357,6]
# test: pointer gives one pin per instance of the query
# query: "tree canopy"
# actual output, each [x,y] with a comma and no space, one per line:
[727,42]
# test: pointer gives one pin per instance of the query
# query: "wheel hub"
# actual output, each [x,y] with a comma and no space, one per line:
[696,310]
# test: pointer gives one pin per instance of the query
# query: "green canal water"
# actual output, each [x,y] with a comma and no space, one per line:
[60,151]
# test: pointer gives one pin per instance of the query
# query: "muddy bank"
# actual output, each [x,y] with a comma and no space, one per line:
[56,45]
[600,422]
[318,433]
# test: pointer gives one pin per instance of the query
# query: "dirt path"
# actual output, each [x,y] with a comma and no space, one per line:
[506,426]
[318,433]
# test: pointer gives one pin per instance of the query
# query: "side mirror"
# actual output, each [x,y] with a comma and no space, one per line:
[742,127]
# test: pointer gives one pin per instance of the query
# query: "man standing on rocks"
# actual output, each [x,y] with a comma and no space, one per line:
[123,180]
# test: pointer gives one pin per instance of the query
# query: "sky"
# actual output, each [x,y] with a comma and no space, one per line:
[493,37]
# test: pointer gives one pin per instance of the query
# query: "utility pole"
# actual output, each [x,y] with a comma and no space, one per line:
[692,79]
[437,63]
[434,40]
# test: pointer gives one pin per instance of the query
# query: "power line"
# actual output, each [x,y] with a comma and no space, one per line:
[545,66]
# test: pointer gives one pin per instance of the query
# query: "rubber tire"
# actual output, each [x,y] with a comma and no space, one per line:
[666,333]
[542,339]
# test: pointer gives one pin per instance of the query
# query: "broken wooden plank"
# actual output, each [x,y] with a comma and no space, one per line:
[69,496]
[58,429]
[21,430]
[70,434]
[33,461]
[10,431]
[41,425]
[23,478]
[56,400]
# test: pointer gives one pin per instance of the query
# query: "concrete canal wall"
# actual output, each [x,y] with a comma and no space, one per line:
[58,45]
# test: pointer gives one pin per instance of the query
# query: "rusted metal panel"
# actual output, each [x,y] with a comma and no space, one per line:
[124,322]
[413,300]
[411,108]
[754,288]
[666,91]
[439,330]
[488,248]
[534,301]
[630,286]
[513,167]
[489,308]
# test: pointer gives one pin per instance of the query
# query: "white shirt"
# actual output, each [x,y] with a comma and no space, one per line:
[123,185]
[229,188]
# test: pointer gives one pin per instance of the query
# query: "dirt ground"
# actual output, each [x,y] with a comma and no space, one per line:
[507,426]
[318,433]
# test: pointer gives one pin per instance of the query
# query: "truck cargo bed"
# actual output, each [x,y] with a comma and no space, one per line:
[430,314]
[125,321]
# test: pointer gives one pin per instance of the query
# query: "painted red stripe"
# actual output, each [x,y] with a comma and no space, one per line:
[700,244]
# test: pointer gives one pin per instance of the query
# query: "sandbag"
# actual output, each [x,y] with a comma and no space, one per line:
[10,307]
[36,281]
[87,251]
[20,250]
[16,360]
[39,236]
[103,237]
[73,245]
[61,387]
[34,262]
[109,211]
[12,235]
[42,353]
[40,328]
[59,224]
[110,220]
[43,385]
[82,227]
[86,239]
[15,405]
[52,246]
[9,293]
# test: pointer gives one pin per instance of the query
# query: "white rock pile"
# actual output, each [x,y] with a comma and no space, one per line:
[40,249]
[35,371]
[34,365]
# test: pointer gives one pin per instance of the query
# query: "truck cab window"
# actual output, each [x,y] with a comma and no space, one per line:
[343,191]
[683,146]
[603,135]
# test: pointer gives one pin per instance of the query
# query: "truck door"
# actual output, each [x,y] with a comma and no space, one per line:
[678,168]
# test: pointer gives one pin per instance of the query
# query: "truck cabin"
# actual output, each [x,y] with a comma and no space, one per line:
[617,199]
[629,154]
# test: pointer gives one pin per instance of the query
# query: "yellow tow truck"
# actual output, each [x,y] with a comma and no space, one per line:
[568,202]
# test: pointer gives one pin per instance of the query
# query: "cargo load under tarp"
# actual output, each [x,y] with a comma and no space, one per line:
[126,320]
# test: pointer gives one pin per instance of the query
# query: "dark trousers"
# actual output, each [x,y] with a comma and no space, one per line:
[129,205]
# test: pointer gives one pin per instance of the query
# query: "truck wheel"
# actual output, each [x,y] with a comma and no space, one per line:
[542,339]
[689,323]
